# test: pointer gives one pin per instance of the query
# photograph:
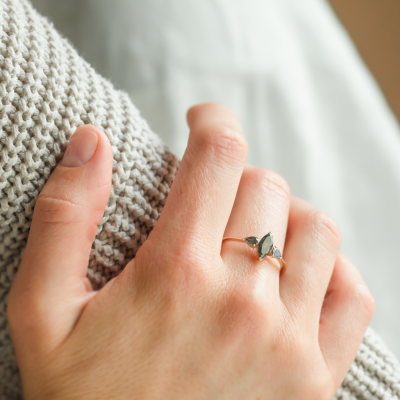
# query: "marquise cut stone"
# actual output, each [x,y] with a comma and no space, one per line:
[276,252]
[251,241]
[265,246]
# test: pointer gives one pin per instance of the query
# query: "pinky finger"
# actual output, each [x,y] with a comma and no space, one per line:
[346,312]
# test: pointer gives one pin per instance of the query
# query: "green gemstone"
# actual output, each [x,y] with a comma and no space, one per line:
[251,241]
[265,246]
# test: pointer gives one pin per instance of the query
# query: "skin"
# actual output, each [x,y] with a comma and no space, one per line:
[188,317]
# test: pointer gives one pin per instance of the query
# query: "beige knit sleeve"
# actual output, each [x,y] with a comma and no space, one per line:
[46,92]
[374,374]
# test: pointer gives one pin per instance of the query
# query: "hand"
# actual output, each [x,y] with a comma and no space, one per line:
[186,319]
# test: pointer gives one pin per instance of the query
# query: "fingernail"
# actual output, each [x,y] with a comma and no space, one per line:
[81,148]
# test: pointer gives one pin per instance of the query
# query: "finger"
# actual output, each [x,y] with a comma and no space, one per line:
[346,313]
[50,285]
[261,206]
[205,186]
[312,244]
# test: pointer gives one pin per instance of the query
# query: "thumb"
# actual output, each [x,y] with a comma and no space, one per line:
[51,288]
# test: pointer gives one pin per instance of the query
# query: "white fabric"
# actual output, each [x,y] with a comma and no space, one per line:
[310,109]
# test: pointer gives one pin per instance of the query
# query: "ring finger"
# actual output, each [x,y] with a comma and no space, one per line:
[261,206]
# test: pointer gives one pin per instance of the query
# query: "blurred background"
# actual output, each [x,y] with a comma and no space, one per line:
[375,29]
[315,85]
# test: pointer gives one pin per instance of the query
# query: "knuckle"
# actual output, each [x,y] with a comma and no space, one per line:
[327,227]
[225,141]
[343,260]
[363,299]
[271,182]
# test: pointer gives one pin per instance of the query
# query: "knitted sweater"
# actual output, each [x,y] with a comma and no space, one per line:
[46,92]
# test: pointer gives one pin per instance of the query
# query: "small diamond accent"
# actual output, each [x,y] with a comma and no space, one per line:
[276,253]
[252,241]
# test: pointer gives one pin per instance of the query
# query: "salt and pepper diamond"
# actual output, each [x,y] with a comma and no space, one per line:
[252,241]
[265,246]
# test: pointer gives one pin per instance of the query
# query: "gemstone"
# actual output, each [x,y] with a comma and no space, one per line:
[265,246]
[276,253]
[251,241]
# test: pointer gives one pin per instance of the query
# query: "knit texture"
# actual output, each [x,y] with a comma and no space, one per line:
[46,92]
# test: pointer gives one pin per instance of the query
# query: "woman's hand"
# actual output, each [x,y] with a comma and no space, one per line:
[186,319]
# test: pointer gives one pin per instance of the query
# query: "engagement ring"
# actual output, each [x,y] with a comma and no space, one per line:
[265,247]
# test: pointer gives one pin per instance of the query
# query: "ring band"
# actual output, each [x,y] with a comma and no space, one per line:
[265,247]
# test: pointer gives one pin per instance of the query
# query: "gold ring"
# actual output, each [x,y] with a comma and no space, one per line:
[265,247]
